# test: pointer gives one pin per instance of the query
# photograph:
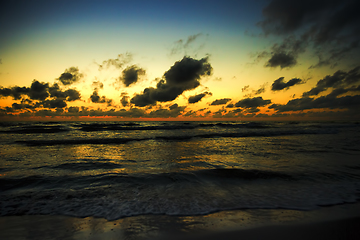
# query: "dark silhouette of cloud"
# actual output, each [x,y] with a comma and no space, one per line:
[252,102]
[220,101]
[38,90]
[54,103]
[230,105]
[338,79]
[15,92]
[131,75]
[182,76]
[174,111]
[330,101]
[74,110]
[125,101]
[282,60]
[68,95]
[95,98]
[70,76]
[198,97]
[279,84]
[331,27]
[284,55]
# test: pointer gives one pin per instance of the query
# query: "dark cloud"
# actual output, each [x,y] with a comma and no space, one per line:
[15,92]
[25,104]
[279,84]
[220,101]
[38,90]
[70,76]
[173,111]
[285,55]
[230,105]
[260,90]
[252,110]
[118,62]
[282,60]
[73,109]
[183,75]
[144,99]
[125,101]
[338,79]
[54,103]
[330,26]
[69,95]
[329,101]
[72,95]
[198,97]
[131,75]
[252,102]
[95,98]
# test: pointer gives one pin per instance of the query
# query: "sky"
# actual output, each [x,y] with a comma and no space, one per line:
[180,60]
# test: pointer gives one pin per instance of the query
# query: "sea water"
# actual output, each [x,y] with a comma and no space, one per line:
[114,170]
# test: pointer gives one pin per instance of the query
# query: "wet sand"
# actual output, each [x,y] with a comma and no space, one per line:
[336,222]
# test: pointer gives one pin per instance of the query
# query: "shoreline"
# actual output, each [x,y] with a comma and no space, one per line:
[331,222]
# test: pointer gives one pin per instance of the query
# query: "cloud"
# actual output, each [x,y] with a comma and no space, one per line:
[118,62]
[330,27]
[284,55]
[70,76]
[220,101]
[279,84]
[252,102]
[198,97]
[182,76]
[95,98]
[15,92]
[131,75]
[338,79]
[38,90]
[173,111]
[54,103]
[125,101]
[282,60]
[258,91]
[230,105]
[69,95]
[245,88]
[329,101]
[182,45]
[73,110]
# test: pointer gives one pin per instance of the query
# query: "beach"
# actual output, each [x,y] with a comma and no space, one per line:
[333,222]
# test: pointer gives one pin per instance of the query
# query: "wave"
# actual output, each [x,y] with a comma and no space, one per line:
[114,196]
[150,179]
[185,137]
[36,129]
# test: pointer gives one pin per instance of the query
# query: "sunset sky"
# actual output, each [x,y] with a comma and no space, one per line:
[180,60]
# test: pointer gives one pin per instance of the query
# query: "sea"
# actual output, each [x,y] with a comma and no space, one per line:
[119,169]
